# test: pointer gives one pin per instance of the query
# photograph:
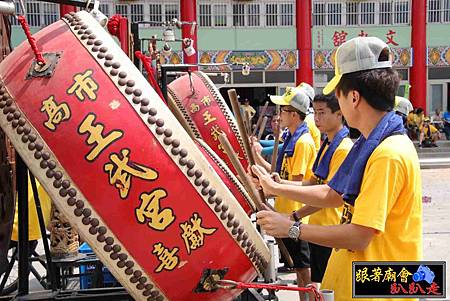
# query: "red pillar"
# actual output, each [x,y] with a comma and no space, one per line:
[65,9]
[188,13]
[418,74]
[303,24]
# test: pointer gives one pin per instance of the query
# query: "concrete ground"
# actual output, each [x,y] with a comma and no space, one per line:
[436,226]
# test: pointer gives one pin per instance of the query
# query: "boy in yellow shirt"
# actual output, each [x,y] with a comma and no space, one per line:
[294,164]
[429,134]
[379,182]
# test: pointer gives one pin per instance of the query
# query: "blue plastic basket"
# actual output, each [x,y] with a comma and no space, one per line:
[86,280]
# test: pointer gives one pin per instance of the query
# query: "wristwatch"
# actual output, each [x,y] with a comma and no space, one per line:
[295,231]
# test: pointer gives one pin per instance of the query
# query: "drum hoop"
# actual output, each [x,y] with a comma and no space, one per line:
[173,96]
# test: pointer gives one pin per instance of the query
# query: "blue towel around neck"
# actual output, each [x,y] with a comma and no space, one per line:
[321,167]
[347,180]
[289,144]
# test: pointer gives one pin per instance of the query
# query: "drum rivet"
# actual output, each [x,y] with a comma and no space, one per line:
[86,220]
[94,49]
[81,31]
[37,155]
[49,173]
[205,191]
[133,279]
[80,204]
[26,129]
[190,172]
[211,200]
[32,137]
[109,240]
[212,192]
[144,110]
[240,230]
[140,286]
[57,183]
[108,249]
[63,192]
[101,238]
[147,293]
[72,192]
[58,176]
[223,215]
[205,183]
[128,271]
[121,264]
[218,208]
[137,274]
[10,117]
[101,55]
[245,236]
[183,152]
[84,37]
[16,115]
[114,255]
[159,130]
[175,151]
[77,212]
[107,63]
[218,200]
[46,155]
[123,256]
[137,92]
[25,138]
[160,122]
[167,140]
[129,90]
[247,251]
[87,212]
[190,164]
[130,83]
[155,293]
[9,101]
[109,57]
[2,104]
[136,100]
[98,42]
[89,31]
[93,230]
[116,65]
[225,207]
[243,243]
[160,298]
[15,123]
[20,130]
[197,181]
[122,74]
[168,133]
[183,161]
[91,36]
[176,143]
[151,119]
[122,82]
[71,201]
[95,222]
[146,102]
[143,280]
[113,72]
[102,230]
[90,42]
[129,264]
[103,49]
[5,110]
[84,26]
[51,164]
[230,216]
[249,243]
[76,27]
[234,231]
[198,173]
[253,248]
[43,164]
[236,224]
[229,224]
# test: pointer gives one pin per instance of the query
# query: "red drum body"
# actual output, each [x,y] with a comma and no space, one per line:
[207,114]
[120,167]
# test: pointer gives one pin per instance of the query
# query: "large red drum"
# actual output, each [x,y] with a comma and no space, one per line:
[119,165]
[205,111]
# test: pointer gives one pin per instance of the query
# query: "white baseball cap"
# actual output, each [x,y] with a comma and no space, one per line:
[357,54]
[309,91]
[403,105]
[295,97]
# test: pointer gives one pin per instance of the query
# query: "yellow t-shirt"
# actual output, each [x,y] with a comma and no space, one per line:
[313,130]
[390,201]
[433,130]
[34,232]
[331,216]
[299,164]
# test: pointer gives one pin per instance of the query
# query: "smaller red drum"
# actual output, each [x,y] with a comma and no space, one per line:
[207,114]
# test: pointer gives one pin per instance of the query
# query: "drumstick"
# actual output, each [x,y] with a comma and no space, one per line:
[179,116]
[248,122]
[260,118]
[277,141]
[262,127]
[251,189]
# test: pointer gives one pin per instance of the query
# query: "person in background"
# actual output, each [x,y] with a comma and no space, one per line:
[428,134]
[436,119]
[246,107]
[446,120]
[313,130]
[403,107]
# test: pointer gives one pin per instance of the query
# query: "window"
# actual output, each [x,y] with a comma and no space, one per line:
[287,14]
[334,13]
[137,12]
[122,9]
[401,12]
[13,19]
[271,14]
[205,15]
[446,11]
[33,13]
[367,13]
[434,11]
[253,14]
[220,15]
[352,13]
[171,12]
[238,14]
[319,14]
[50,13]
[385,12]
[155,16]
[104,8]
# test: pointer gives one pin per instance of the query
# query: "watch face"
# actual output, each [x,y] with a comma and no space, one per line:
[294,231]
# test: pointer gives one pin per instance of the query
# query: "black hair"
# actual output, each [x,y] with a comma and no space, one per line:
[377,86]
[295,110]
[330,100]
